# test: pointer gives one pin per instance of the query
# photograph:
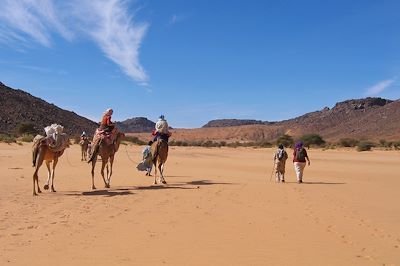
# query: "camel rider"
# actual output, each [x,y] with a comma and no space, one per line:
[83,136]
[106,126]
[162,129]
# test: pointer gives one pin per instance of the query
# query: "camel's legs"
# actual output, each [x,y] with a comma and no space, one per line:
[111,168]
[39,162]
[46,185]
[155,173]
[107,173]
[103,165]
[161,168]
[52,174]
[93,166]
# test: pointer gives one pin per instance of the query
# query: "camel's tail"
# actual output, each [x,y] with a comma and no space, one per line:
[35,148]
[35,152]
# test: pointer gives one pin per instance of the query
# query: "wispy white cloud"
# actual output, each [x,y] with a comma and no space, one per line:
[113,29]
[176,19]
[108,23]
[27,20]
[379,87]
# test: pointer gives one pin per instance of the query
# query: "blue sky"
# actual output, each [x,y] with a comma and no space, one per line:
[194,61]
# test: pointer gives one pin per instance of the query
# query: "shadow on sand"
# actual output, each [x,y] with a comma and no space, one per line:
[207,183]
[124,191]
[102,192]
[323,183]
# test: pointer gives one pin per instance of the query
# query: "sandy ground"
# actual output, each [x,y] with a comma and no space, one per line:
[218,208]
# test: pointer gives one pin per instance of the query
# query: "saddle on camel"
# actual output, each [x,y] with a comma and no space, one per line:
[48,149]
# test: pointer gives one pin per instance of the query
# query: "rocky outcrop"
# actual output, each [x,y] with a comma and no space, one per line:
[18,107]
[136,125]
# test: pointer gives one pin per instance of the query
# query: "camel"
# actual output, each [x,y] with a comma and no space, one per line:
[42,152]
[159,151]
[84,143]
[106,152]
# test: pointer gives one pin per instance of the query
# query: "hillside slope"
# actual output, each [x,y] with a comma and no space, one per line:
[369,118]
[19,107]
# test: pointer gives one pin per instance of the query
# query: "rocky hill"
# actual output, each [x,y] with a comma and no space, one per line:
[232,123]
[369,118]
[136,124]
[18,107]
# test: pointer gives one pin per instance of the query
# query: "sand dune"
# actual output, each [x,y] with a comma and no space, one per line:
[219,208]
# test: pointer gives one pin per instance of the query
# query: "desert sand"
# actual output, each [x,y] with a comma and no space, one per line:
[219,208]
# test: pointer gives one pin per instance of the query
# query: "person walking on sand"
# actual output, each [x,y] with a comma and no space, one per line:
[147,158]
[280,157]
[147,162]
[299,160]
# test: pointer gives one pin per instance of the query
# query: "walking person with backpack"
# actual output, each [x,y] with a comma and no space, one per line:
[299,160]
[280,157]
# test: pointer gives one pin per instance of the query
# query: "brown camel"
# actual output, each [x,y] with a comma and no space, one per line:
[41,152]
[106,152]
[84,143]
[159,151]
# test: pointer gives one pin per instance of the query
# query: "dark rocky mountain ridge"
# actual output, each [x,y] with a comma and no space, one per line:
[19,107]
[136,124]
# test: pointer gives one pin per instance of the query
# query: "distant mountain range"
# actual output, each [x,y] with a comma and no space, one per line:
[232,123]
[370,118]
[136,124]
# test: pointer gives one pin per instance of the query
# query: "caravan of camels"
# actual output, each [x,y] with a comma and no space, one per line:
[106,142]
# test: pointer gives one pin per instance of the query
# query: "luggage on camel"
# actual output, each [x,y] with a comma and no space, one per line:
[55,139]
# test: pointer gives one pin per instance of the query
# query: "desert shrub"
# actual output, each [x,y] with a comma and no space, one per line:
[26,138]
[365,145]
[7,138]
[264,144]
[134,140]
[348,142]
[234,144]
[396,145]
[312,139]
[222,143]
[330,146]
[285,140]
[185,144]
[385,144]
[25,128]
[208,143]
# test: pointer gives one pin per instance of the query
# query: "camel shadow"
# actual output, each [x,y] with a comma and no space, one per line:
[166,176]
[102,192]
[156,187]
[323,183]
[207,183]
